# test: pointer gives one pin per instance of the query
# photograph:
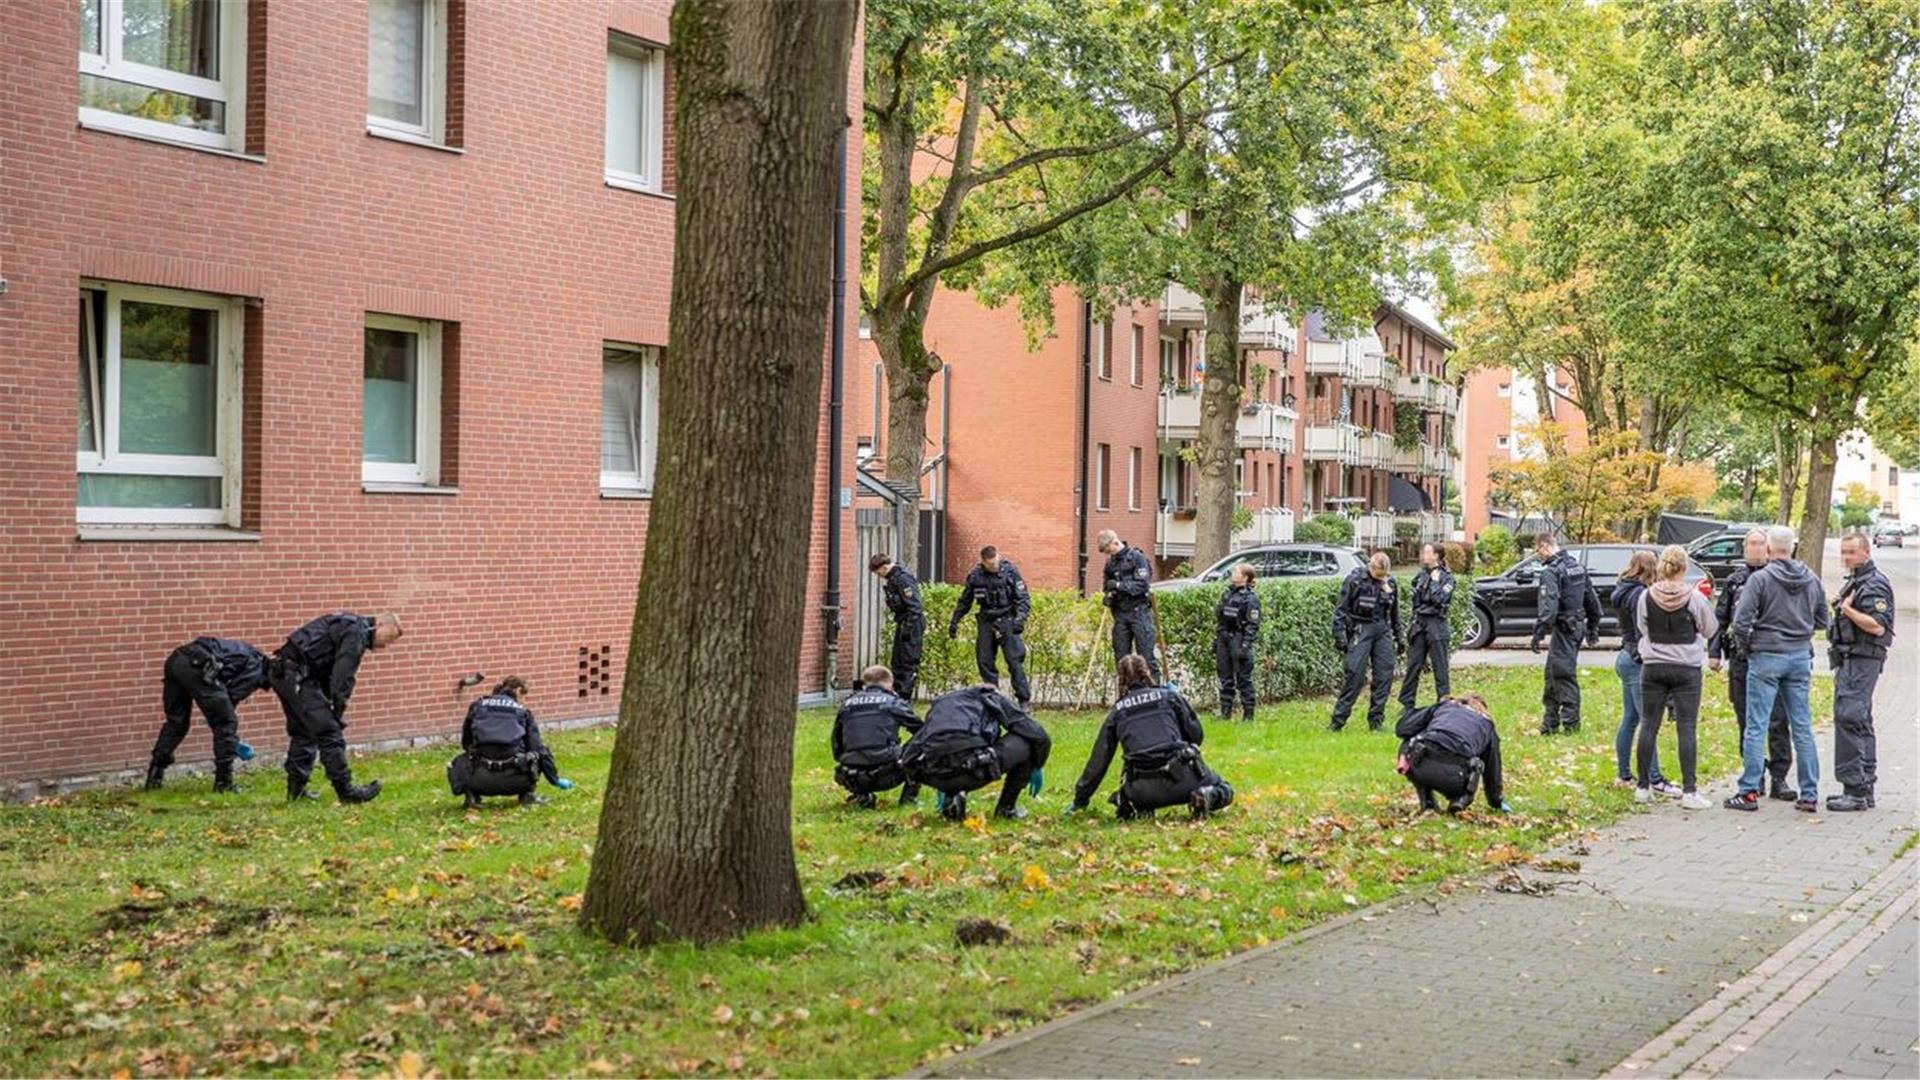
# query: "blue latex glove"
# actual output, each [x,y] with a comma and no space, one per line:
[1506,807]
[243,751]
[1034,782]
[940,800]
[563,784]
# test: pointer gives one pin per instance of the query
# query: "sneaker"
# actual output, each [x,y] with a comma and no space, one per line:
[1849,803]
[1784,793]
[1668,788]
[530,799]
[1018,813]
[1693,800]
[1627,782]
[1807,806]
[1642,795]
[1744,800]
[955,809]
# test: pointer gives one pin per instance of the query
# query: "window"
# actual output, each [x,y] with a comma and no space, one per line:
[1102,468]
[1723,549]
[1240,477]
[400,402]
[1139,348]
[159,437]
[1133,477]
[636,113]
[169,69]
[406,68]
[1609,561]
[1102,346]
[629,417]
[1506,389]
[1502,441]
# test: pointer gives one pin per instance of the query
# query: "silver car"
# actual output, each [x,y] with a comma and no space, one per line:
[1279,561]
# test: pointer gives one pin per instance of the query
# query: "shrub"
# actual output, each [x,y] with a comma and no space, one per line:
[1325,529]
[1495,549]
[1070,658]
[1458,556]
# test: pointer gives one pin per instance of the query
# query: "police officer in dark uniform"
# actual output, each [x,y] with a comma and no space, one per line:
[1450,748]
[1366,628]
[1857,642]
[996,586]
[1236,628]
[902,591]
[866,740]
[1724,646]
[503,752]
[313,675]
[972,737]
[1159,740]
[1430,638]
[1127,585]
[1569,609]
[216,674]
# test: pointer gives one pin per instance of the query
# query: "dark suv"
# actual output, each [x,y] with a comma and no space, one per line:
[1722,551]
[1505,605]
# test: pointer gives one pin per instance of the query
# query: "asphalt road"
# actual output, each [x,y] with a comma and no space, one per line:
[1901,565]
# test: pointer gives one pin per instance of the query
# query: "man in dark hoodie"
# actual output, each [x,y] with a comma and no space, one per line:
[1779,740]
[1857,641]
[1452,747]
[1781,607]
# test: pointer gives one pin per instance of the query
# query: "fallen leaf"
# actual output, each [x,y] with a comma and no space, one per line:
[1035,879]
[410,1066]
[723,1014]
[1187,1061]
[571,903]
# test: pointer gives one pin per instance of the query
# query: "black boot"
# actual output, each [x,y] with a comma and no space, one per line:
[223,780]
[1850,802]
[154,775]
[1782,792]
[472,802]
[297,790]
[956,807]
[349,794]
[530,799]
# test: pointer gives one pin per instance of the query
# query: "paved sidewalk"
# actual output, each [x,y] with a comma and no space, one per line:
[1668,913]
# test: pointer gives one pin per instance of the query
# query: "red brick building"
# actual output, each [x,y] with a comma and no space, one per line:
[358,308]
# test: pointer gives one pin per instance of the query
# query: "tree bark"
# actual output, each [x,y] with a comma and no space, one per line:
[1787,456]
[1819,505]
[695,836]
[1219,422]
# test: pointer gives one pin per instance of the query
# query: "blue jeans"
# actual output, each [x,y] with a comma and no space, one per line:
[1788,676]
[1627,666]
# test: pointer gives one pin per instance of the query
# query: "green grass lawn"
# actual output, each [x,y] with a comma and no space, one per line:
[180,933]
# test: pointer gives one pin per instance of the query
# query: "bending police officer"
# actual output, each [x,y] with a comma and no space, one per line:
[972,737]
[996,587]
[313,675]
[866,740]
[902,591]
[1452,747]
[216,674]
[503,753]
[1366,629]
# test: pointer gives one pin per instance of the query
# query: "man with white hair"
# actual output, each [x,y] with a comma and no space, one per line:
[1779,611]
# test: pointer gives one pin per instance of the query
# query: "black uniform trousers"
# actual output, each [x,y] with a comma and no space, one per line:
[185,686]
[998,637]
[1133,633]
[874,779]
[1429,643]
[491,769]
[1370,646]
[1014,759]
[1433,771]
[1233,662]
[1560,694]
[1779,737]
[313,728]
[908,634]
[1855,754]
[1147,790]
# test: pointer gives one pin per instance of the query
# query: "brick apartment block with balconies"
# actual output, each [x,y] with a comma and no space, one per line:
[314,306]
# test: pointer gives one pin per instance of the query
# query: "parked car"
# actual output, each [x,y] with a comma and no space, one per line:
[1889,536]
[1279,561]
[1723,550]
[1505,605]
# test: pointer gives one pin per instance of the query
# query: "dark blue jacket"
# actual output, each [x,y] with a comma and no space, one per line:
[329,649]
[1148,724]
[1128,579]
[238,667]
[1001,595]
[1626,595]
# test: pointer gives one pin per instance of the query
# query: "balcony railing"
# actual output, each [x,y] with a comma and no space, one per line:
[1376,450]
[1337,358]
[1181,306]
[1264,330]
[1339,442]
[1430,393]
[1429,527]
[1174,534]
[1373,529]
[1375,368]
[1260,426]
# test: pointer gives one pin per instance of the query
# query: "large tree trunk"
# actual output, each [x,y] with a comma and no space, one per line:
[1819,505]
[1219,422]
[695,833]
[1786,452]
[910,369]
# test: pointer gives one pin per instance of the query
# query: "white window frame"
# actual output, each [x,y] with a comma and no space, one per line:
[228,372]
[1503,442]
[432,128]
[1102,353]
[1102,465]
[652,153]
[230,89]
[424,470]
[647,439]
[1133,478]
[1505,390]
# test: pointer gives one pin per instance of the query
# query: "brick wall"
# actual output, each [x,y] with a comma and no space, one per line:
[517,241]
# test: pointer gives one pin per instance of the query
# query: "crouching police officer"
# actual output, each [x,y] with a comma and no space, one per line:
[216,674]
[1857,642]
[866,740]
[1451,747]
[1366,628]
[503,751]
[1569,609]
[1431,637]
[1159,739]
[1127,583]
[902,591]
[1001,593]
[1236,628]
[313,676]
[972,737]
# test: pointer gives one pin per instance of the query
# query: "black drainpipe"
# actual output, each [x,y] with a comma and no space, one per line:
[1085,423]
[830,603]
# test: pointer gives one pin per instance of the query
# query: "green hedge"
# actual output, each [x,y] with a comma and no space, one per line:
[1070,659]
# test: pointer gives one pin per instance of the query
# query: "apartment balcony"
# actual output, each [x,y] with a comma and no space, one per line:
[1428,527]
[1428,392]
[1264,330]
[1376,450]
[1174,533]
[1260,426]
[1337,442]
[1340,359]
[1436,460]
[1182,307]
[1373,529]
[1375,368]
